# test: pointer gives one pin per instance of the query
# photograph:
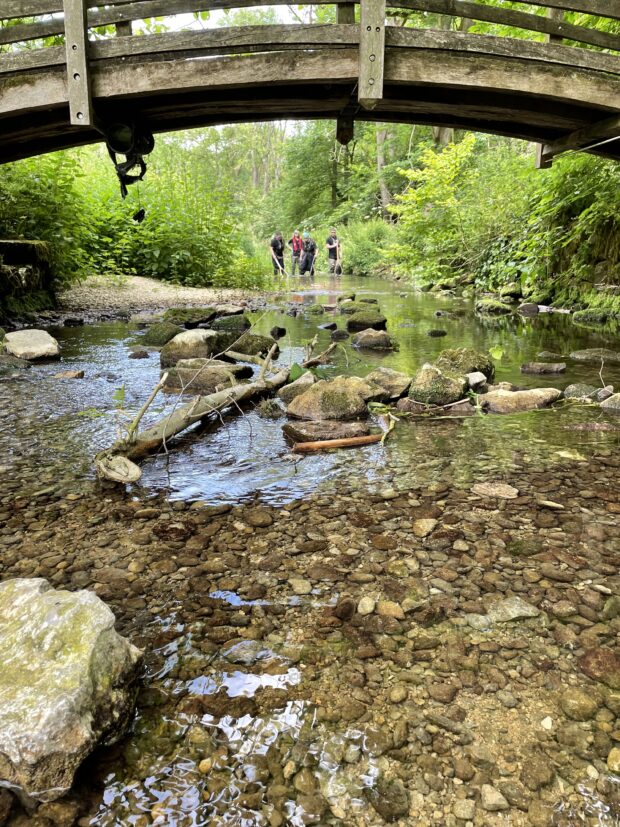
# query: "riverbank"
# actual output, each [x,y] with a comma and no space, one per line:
[137,293]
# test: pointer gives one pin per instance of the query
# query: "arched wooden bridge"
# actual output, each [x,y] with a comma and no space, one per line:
[561,90]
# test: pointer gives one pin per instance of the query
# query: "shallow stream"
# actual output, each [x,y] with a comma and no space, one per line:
[267,699]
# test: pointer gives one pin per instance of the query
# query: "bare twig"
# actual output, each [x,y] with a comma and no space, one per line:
[131,431]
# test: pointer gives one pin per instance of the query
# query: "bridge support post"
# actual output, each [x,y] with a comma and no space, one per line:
[78,80]
[372,53]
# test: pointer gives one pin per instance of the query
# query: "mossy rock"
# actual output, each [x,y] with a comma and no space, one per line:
[426,288]
[342,398]
[446,284]
[512,290]
[231,324]
[368,301]
[2,334]
[189,315]
[346,297]
[315,309]
[540,297]
[158,335]
[492,307]
[464,360]
[591,316]
[433,387]
[253,344]
[348,308]
[10,364]
[365,319]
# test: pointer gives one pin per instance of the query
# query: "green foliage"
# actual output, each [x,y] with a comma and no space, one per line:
[364,244]
[430,232]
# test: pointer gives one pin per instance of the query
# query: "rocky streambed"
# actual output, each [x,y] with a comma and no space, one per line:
[421,632]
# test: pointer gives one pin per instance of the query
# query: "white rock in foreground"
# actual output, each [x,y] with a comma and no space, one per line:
[65,684]
[32,344]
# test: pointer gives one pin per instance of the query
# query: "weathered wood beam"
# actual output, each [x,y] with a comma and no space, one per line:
[558,15]
[272,38]
[31,8]
[144,9]
[518,19]
[78,78]
[345,13]
[372,52]
[580,139]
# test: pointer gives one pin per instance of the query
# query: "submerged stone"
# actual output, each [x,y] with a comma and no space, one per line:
[612,403]
[597,355]
[540,368]
[65,684]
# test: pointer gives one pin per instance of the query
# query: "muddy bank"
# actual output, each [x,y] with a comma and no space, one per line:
[428,655]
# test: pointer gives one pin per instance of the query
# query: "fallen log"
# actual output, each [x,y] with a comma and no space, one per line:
[325,444]
[139,445]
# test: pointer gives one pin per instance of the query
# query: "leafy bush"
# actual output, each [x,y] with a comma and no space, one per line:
[363,244]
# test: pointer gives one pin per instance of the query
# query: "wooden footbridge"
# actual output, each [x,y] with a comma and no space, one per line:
[73,70]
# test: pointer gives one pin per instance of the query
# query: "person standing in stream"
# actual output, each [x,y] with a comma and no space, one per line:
[334,252]
[295,243]
[308,255]
[277,253]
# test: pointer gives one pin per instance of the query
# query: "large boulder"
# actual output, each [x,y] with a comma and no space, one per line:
[252,344]
[203,376]
[528,309]
[596,355]
[319,431]
[393,383]
[296,388]
[160,333]
[432,387]
[365,319]
[464,360]
[231,324]
[580,390]
[191,344]
[507,402]
[348,307]
[66,684]
[342,398]
[189,316]
[31,345]
[374,340]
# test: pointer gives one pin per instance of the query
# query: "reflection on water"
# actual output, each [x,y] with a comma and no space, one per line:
[52,428]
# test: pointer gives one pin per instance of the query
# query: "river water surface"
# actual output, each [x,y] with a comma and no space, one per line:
[318,648]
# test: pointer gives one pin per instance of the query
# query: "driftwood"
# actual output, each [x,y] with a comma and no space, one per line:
[325,444]
[139,445]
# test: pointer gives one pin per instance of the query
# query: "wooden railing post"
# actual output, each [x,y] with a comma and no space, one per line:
[78,79]
[372,52]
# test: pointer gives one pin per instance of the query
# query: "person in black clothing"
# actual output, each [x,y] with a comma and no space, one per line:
[334,252]
[308,255]
[277,253]
[295,243]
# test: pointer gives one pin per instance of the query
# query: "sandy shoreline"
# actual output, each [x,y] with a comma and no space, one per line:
[141,293]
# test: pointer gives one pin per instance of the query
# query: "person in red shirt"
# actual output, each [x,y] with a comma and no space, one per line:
[295,243]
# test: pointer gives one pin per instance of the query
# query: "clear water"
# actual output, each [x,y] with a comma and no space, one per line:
[52,428]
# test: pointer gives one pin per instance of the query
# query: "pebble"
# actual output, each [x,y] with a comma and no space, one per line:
[366,606]
[492,800]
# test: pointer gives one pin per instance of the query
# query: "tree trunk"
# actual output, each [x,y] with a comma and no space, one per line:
[443,135]
[384,193]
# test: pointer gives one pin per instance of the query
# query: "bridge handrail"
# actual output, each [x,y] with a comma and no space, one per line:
[126,11]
